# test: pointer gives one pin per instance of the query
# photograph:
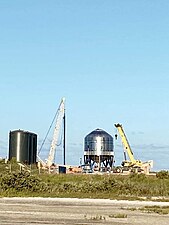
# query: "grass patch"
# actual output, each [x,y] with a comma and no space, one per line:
[96,217]
[131,209]
[131,187]
[162,210]
[118,215]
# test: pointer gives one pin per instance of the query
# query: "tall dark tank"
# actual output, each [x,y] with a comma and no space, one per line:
[99,149]
[23,146]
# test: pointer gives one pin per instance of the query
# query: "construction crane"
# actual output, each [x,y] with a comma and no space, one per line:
[132,162]
[60,116]
[127,149]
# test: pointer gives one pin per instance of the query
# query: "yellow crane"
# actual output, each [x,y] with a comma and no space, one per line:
[132,162]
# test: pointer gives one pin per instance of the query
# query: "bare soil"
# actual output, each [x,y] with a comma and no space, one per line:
[70,211]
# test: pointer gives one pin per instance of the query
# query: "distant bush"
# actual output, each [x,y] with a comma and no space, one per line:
[84,186]
[138,177]
[21,181]
[91,186]
[163,174]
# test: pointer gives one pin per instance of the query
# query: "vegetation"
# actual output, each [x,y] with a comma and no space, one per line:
[21,181]
[97,217]
[119,215]
[16,182]
[156,209]
[162,210]
[163,174]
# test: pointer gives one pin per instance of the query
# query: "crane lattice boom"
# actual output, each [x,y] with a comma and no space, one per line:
[127,148]
[61,112]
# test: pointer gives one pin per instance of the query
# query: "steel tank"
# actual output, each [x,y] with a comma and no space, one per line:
[23,146]
[99,149]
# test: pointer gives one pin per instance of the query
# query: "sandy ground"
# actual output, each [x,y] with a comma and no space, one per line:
[47,211]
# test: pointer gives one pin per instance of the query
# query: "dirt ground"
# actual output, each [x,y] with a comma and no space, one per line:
[47,211]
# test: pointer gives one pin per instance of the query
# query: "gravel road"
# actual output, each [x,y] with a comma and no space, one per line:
[70,211]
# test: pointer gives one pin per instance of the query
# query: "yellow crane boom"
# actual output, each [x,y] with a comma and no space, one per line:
[127,149]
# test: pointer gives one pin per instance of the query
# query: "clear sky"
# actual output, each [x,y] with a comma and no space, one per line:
[108,58]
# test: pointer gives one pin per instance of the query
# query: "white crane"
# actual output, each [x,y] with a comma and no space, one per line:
[60,115]
[59,119]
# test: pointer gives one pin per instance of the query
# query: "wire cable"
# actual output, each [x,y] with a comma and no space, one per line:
[48,132]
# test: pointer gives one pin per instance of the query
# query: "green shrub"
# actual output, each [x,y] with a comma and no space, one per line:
[163,174]
[21,181]
[155,209]
[83,186]
[138,177]
[119,215]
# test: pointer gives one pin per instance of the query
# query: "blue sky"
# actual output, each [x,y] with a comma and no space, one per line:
[108,58]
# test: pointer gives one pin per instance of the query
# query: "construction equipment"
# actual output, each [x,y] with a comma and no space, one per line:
[41,163]
[60,116]
[132,162]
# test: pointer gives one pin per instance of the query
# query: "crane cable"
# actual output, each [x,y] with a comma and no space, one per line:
[56,114]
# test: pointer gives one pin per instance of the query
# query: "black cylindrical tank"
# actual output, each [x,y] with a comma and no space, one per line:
[23,146]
